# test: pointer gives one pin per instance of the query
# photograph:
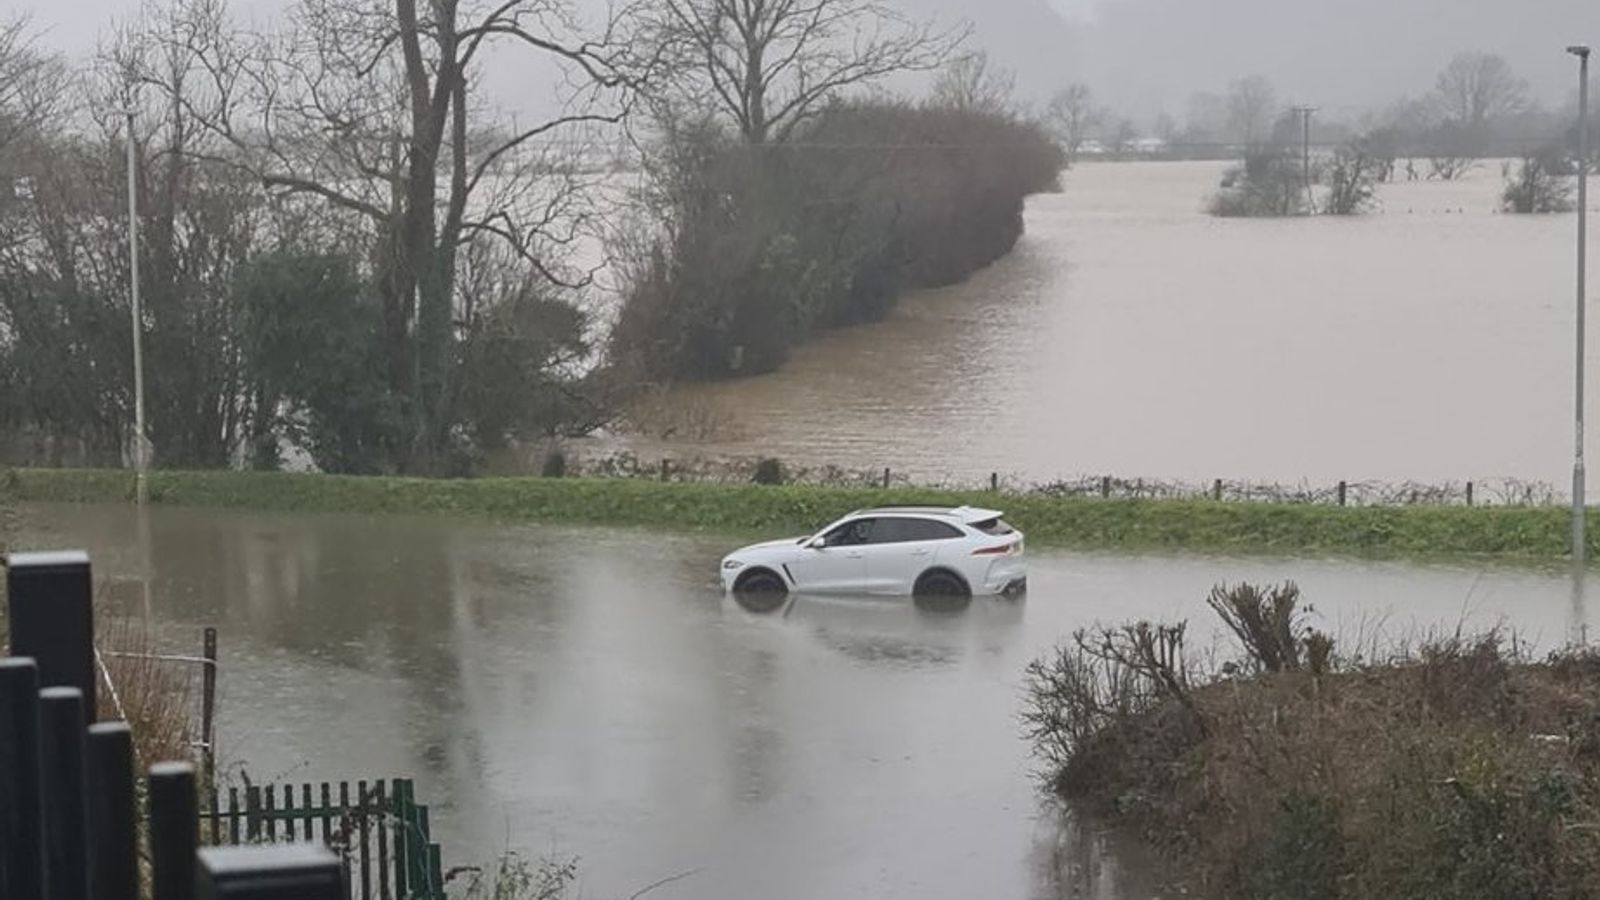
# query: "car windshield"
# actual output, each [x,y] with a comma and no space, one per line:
[997,527]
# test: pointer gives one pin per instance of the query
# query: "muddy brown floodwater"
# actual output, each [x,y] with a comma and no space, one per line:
[1131,334]
[590,693]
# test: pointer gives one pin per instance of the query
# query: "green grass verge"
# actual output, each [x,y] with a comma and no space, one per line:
[1524,533]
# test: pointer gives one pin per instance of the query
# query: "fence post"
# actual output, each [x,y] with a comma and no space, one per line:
[21,803]
[112,817]
[66,799]
[285,872]
[1342,488]
[52,619]
[994,481]
[666,469]
[1469,493]
[1105,486]
[1216,489]
[208,701]
[886,478]
[174,830]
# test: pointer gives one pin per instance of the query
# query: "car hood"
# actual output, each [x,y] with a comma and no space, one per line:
[769,545]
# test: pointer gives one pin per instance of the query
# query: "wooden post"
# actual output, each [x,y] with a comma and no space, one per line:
[52,619]
[208,702]
[66,793]
[174,830]
[113,819]
[994,481]
[666,469]
[1469,493]
[1216,490]
[1342,489]
[886,478]
[1105,486]
[21,801]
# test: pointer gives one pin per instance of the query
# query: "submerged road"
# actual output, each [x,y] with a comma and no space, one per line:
[589,693]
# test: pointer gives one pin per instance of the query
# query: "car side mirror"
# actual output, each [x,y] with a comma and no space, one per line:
[820,543]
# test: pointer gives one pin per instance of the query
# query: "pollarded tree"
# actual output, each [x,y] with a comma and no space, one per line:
[766,66]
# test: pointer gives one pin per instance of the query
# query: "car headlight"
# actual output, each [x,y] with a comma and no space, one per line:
[732,564]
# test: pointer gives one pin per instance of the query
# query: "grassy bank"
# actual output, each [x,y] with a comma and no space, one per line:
[1448,768]
[1525,533]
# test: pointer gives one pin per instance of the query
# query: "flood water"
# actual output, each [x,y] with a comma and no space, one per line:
[1132,334]
[589,693]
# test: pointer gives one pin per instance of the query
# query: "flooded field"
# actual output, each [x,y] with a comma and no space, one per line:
[1130,333]
[589,693]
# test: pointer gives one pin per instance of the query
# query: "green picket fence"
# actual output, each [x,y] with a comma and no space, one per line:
[377,828]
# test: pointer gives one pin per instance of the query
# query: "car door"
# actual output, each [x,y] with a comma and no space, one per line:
[901,549]
[838,567]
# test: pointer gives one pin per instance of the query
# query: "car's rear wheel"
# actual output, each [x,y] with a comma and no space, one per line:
[941,584]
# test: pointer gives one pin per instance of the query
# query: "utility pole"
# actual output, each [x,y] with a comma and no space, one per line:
[140,454]
[1305,147]
[1578,510]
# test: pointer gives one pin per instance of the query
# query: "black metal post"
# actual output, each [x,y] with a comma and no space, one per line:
[174,830]
[113,828]
[65,788]
[208,698]
[282,872]
[52,619]
[21,804]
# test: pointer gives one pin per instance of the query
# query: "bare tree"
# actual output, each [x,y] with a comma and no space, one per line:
[1476,88]
[1252,108]
[367,108]
[768,65]
[969,83]
[31,83]
[1073,115]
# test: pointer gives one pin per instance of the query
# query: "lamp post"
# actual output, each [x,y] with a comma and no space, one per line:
[1578,512]
[140,454]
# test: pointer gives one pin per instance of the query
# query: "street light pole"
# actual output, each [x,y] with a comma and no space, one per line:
[140,457]
[1305,146]
[1578,510]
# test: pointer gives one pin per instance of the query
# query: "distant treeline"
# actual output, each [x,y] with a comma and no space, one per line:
[765,244]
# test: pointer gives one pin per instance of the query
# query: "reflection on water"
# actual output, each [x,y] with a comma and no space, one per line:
[590,692]
[1078,858]
[1130,333]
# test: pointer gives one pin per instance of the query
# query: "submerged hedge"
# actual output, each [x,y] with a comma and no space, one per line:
[1529,533]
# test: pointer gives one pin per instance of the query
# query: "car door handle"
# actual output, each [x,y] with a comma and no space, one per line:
[919,552]
[854,555]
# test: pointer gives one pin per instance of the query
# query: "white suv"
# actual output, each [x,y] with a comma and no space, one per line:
[918,550]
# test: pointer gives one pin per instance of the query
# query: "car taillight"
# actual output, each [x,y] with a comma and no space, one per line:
[1012,549]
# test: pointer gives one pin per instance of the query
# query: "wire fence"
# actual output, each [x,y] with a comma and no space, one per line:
[742,470]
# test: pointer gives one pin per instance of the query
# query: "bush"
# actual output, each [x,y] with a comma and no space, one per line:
[1537,187]
[1413,776]
[554,465]
[769,471]
[1352,179]
[1268,184]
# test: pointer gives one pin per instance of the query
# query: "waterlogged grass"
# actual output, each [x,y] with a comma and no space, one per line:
[1533,533]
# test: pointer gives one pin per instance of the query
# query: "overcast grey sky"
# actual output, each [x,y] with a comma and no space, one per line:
[1146,56]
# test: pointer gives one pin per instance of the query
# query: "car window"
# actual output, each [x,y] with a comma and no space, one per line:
[856,531]
[905,531]
[996,527]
